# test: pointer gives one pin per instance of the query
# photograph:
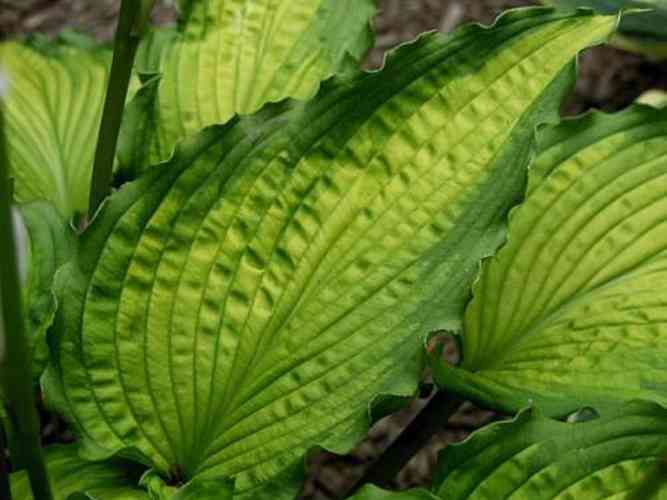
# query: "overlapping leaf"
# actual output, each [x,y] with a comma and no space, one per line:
[621,456]
[245,301]
[642,31]
[230,57]
[52,112]
[573,311]
[69,475]
[541,459]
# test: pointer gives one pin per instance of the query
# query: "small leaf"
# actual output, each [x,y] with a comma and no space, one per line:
[70,475]
[139,124]
[244,302]
[572,312]
[52,113]
[535,458]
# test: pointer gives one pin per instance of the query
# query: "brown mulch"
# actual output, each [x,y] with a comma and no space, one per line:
[610,79]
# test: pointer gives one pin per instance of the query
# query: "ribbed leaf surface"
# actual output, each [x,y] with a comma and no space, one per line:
[573,311]
[114,480]
[534,458]
[233,56]
[619,457]
[245,301]
[52,113]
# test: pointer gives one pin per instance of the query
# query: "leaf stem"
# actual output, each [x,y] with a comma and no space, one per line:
[15,370]
[132,24]
[432,419]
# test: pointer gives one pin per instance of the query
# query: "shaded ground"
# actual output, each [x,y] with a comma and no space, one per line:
[610,79]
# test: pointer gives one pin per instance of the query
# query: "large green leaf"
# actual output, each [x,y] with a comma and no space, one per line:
[69,475]
[232,57]
[573,311]
[618,457]
[642,31]
[245,301]
[52,114]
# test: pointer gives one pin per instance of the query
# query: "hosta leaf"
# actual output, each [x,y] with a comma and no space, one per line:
[535,458]
[50,245]
[245,301]
[69,475]
[641,31]
[620,456]
[573,311]
[232,57]
[52,112]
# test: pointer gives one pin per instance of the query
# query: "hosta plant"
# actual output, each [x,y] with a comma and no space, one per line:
[286,230]
[571,313]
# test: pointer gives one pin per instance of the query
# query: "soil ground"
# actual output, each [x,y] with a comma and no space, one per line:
[610,79]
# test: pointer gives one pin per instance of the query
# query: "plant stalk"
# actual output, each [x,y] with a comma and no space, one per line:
[132,24]
[15,369]
[432,419]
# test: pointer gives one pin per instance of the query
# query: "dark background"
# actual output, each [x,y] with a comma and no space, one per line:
[610,79]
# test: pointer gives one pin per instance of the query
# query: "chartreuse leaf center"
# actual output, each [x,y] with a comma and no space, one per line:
[573,311]
[245,301]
